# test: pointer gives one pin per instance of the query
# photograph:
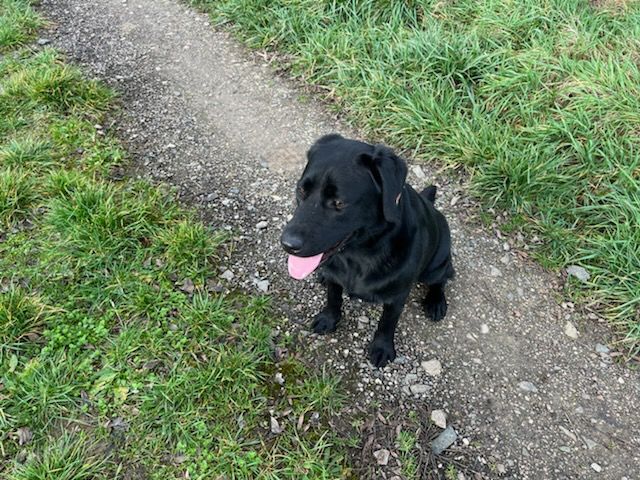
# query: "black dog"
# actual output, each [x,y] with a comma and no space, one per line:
[370,233]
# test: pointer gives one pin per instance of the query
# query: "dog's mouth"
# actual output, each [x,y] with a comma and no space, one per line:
[302,267]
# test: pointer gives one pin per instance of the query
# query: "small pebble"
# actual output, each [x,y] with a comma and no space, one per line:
[381,456]
[432,367]
[444,440]
[439,418]
[419,388]
[263,285]
[579,272]
[596,467]
[528,387]
[400,360]
[275,426]
[590,443]
[227,275]
[417,170]
[570,330]
[410,378]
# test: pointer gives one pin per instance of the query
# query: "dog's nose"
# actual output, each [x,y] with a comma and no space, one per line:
[291,242]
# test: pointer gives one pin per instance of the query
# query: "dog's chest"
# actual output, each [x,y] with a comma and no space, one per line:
[361,282]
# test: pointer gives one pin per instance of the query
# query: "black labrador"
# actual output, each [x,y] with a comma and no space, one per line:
[369,233]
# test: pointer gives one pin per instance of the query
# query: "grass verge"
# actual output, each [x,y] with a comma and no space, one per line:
[538,100]
[118,359]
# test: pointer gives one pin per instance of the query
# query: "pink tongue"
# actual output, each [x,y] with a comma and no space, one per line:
[300,267]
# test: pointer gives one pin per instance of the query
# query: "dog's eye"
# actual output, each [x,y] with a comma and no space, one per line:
[338,204]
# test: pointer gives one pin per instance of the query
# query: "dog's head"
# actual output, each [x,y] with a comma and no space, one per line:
[347,188]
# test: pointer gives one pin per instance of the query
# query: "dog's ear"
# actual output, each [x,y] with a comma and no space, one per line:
[389,172]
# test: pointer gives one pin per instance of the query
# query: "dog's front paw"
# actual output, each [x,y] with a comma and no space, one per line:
[324,322]
[381,352]
[435,305]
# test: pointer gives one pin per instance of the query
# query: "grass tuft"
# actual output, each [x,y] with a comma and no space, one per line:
[18,23]
[20,315]
[25,151]
[69,457]
[189,247]
[18,194]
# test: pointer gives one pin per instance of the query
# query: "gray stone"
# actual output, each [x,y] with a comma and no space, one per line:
[400,359]
[227,275]
[418,172]
[439,418]
[382,456]
[419,388]
[494,272]
[528,387]
[596,467]
[262,225]
[568,433]
[579,272]
[410,378]
[432,367]
[602,348]
[570,330]
[263,285]
[275,426]
[444,440]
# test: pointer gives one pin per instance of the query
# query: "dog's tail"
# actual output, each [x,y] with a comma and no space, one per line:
[429,193]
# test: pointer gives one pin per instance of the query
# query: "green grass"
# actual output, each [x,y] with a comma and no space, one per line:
[18,23]
[108,368]
[539,101]
[407,445]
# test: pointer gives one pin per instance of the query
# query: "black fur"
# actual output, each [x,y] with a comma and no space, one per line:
[378,234]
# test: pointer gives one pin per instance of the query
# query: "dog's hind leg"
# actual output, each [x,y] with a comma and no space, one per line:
[327,320]
[382,348]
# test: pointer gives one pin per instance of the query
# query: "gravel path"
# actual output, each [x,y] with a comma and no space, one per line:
[526,399]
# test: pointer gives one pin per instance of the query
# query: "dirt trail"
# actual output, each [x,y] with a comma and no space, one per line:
[203,114]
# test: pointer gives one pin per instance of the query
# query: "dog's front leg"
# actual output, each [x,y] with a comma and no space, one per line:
[382,349]
[327,320]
